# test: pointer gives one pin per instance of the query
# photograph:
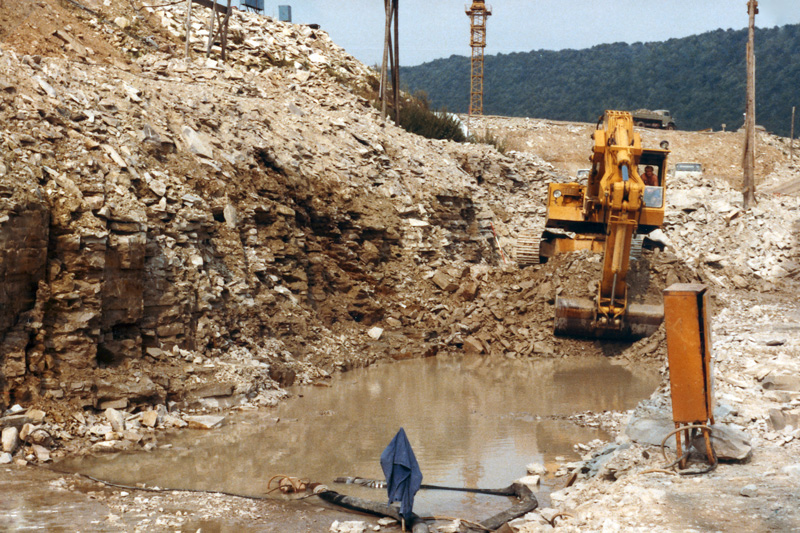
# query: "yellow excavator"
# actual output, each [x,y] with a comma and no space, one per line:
[610,214]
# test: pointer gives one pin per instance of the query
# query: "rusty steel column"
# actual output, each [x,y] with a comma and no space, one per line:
[691,371]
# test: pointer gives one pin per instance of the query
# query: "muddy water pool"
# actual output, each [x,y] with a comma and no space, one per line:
[471,423]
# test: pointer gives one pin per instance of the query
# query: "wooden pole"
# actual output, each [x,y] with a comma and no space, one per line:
[748,184]
[211,27]
[188,26]
[386,45]
[224,43]
[396,72]
[390,72]
[791,142]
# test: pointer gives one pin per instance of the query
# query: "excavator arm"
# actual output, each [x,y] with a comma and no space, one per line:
[613,200]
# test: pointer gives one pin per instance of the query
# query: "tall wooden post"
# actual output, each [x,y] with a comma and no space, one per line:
[188,26]
[391,60]
[396,71]
[224,42]
[791,141]
[387,36]
[211,27]
[748,184]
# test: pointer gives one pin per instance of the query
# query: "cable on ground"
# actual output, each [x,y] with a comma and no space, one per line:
[689,445]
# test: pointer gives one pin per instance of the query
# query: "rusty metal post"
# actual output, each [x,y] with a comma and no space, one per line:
[691,375]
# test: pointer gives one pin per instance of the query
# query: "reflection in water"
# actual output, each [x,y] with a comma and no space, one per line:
[471,422]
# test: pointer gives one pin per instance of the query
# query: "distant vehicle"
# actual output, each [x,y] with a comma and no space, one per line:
[660,119]
[583,173]
[688,170]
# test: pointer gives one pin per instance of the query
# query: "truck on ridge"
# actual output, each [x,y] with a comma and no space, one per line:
[659,119]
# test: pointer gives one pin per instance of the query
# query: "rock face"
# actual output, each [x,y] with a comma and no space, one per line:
[255,211]
[24,236]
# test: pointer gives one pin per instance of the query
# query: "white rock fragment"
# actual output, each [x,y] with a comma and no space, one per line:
[532,482]
[116,419]
[749,491]
[149,418]
[46,87]
[196,144]
[42,454]
[10,439]
[348,527]
[204,421]
[536,469]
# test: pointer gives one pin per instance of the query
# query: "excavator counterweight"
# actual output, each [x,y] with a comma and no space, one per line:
[622,198]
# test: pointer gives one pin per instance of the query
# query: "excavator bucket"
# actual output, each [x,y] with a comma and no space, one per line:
[576,317]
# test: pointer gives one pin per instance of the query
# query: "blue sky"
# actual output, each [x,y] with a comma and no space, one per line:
[431,29]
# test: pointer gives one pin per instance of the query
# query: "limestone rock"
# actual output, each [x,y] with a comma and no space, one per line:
[174,421]
[785,382]
[444,282]
[10,439]
[779,419]
[536,469]
[473,345]
[351,526]
[204,421]
[749,491]
[116,419]
[650,429]
[196,144]
[37,416]
[730,442]
[26,431]
[42,454]
[532,481]
[149,418]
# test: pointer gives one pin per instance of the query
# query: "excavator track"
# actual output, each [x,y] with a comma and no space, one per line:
[527,249]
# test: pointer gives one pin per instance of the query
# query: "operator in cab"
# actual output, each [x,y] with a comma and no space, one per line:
[649,176]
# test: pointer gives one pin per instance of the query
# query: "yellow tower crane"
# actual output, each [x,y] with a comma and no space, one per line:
[478,13]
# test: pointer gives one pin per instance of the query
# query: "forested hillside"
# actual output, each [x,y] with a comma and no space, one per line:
[701,79]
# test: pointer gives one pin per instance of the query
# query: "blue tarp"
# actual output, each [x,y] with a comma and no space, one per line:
[403,476]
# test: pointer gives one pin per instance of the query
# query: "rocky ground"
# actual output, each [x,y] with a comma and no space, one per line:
[194,235]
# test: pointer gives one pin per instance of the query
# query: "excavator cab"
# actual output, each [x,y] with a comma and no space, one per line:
[608,215]
[654,194]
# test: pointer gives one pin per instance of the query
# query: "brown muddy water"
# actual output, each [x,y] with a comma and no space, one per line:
[471,423]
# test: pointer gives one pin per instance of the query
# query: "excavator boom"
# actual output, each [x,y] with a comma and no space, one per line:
[615,204]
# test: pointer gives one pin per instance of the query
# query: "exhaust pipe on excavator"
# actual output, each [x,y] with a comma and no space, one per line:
[577,317]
